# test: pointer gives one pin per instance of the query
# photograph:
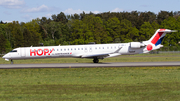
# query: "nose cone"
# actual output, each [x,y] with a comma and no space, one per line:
[5,56]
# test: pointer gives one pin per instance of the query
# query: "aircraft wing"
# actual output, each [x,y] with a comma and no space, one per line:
[95,56]
[102,56]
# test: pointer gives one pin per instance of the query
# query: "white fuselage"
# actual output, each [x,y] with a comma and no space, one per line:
[77,51]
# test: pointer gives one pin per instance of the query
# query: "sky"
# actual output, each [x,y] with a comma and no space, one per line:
[26,10]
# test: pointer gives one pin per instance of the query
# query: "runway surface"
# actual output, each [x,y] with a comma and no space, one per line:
[78,65]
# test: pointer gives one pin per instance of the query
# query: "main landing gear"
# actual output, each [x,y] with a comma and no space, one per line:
[96,60]
[11,61]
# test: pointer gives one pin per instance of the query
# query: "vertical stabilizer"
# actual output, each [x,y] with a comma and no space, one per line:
[155,41]
[159,35]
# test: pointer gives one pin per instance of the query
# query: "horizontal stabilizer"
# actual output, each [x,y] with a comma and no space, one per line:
[168,31]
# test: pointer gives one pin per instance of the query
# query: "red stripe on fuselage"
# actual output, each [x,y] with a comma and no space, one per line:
[51,51]
[157,36]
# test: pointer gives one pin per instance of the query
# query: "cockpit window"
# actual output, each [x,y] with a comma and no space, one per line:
[13,51]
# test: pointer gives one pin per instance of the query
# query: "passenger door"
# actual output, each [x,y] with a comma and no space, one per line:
[23,52]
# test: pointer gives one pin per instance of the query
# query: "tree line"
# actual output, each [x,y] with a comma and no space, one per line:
[107,27]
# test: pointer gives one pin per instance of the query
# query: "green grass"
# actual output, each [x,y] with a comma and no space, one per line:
[122,58]
[91,84]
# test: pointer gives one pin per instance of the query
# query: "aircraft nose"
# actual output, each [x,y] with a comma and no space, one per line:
[5,56]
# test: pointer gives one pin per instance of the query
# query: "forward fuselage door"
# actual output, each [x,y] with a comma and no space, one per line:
[23,52]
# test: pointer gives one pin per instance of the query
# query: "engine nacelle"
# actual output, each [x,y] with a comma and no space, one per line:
[136,45]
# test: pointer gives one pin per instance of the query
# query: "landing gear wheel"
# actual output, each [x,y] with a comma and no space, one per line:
[96,60]
[11,61]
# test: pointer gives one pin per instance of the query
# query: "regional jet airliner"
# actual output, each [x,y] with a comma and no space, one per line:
[92,51]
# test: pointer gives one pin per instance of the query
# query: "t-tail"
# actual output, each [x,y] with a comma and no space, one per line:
[155,41]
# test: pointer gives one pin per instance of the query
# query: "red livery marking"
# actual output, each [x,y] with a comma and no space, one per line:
[32,52]
[50,51]
[149,47]
[157,36]
[71,53]
[40,52]
[46,51]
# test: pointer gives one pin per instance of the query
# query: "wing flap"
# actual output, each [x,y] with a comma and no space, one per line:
[102,56]
[95,55]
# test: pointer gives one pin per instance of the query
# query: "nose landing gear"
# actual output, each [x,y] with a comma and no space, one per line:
[11,61]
